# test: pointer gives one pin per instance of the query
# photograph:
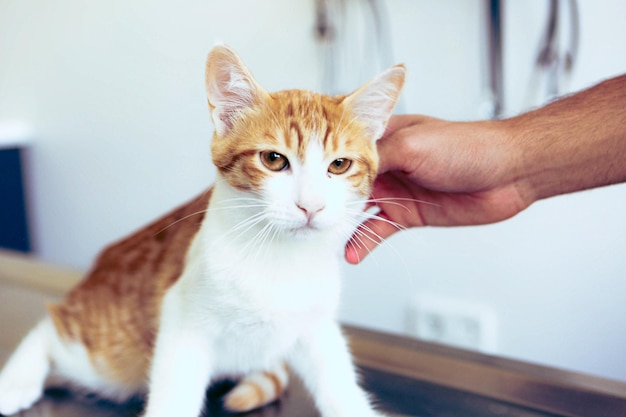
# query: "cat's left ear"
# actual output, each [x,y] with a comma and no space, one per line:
[230,88]
[374,102]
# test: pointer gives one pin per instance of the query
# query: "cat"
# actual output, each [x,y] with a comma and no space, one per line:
[242,281]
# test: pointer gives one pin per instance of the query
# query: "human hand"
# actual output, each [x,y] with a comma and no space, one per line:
[438,173]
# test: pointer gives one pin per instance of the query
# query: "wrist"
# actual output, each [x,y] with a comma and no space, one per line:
[516,162]
[523,168]
[543,158]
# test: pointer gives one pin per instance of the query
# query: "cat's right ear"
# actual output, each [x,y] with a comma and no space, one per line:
[231,89]
[374,102]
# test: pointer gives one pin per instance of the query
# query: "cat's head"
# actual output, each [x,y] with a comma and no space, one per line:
[308,159]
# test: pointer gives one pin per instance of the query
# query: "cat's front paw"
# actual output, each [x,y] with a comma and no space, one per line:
[17,395]
[21,383]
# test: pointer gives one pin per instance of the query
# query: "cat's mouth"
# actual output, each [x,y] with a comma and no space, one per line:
[305,230]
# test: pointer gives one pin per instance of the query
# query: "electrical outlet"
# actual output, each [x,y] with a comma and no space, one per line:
[453,322]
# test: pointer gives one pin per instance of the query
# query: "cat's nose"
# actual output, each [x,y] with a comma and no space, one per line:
[310,210]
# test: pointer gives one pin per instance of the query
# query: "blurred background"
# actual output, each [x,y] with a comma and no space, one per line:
[106,101]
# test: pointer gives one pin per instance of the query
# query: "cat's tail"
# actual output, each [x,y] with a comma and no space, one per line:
[257,389]
[23,377]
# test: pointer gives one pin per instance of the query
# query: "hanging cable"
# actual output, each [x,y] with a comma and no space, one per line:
[554,64]
[355,41]
[325,33]
[494,106]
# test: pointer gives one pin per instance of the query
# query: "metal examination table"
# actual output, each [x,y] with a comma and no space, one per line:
[407,377]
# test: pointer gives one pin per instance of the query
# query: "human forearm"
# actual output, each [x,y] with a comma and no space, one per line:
[575,143]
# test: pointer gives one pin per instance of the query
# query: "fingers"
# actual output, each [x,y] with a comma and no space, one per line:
[367,237]
[404,120]
[396,149]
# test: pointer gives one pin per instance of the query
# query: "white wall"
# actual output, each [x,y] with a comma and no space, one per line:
[114,90]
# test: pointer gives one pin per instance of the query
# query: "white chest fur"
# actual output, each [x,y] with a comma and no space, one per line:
[253,306]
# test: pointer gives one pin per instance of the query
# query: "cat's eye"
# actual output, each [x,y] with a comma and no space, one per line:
[339,166]
[274,161]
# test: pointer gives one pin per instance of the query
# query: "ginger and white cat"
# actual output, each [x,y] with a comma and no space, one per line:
[242,281]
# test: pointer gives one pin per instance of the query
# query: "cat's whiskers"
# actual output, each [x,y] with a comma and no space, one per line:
[360,228]
[362,215]
[242,227]
[264,240]
[220,207]
[358,240]
[259,238]
[180,220]
[361,231]
[373,216]
[358,243]
[394,201]
[257,242]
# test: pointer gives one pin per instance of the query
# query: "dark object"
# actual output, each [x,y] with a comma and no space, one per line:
[495,65]
[14,232]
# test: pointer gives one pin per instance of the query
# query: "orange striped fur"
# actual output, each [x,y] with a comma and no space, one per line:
[114,311]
